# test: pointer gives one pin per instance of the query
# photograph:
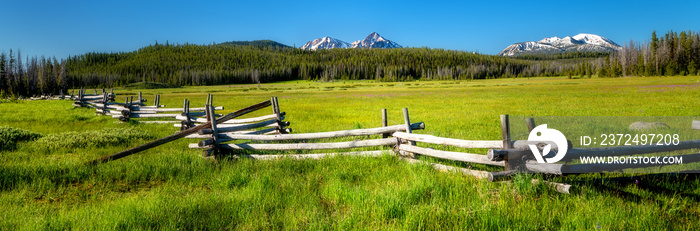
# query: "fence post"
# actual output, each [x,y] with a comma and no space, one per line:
[105,99]
[384,122]
[211,117]
[278,116]
[408,124]
[505,135]
[408,130]
[515,161]
[140,99]
[78,101]
[157,101]
[187,123]
[126,114]
[530,124]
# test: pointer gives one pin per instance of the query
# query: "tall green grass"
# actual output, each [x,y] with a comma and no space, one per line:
[9,137]
[95,138]
[171,187]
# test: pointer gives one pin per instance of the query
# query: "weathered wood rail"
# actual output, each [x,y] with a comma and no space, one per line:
[82,95]
[233,136]
[179,134]
[523,161]
[133,109]
[216,136]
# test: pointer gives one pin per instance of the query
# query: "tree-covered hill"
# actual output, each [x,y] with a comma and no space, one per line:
[256,43]
[226,64]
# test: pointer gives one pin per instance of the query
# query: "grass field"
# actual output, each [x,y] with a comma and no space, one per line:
[44,186]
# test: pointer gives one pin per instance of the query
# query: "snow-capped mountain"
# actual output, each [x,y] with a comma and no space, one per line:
[596,40]
[549,40]
[566,42]
[373,40]
[529,48]
[325,43]
[580,42]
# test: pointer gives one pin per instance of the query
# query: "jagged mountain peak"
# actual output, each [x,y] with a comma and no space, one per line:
[374,36]
[325,43]
[373,40]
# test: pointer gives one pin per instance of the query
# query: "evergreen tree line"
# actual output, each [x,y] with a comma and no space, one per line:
[673,54]
[564,55]
[186,64]
[38,75]
[230,64]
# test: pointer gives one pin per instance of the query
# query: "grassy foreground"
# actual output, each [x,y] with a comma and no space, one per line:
[44,186]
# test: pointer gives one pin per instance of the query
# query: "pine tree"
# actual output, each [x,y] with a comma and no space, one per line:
[604,71]
[589,70]
[654,53]
[3,75]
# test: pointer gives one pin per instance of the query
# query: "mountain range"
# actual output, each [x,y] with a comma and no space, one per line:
[580,42]
[373,40]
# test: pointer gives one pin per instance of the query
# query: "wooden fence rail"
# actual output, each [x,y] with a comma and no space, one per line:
[522,155]
[324,135]
[307,146]
[219,135]
[449,141]
[233,121]
[179,134]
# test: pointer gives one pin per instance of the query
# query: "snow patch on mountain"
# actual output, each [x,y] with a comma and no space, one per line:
[549,40]
[325,43]
[373,40]
[596,40]
[580,42]
[531,46]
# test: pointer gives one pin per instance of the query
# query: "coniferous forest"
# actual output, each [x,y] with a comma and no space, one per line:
[268,61]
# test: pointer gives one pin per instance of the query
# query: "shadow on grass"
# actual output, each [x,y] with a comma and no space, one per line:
[670,185]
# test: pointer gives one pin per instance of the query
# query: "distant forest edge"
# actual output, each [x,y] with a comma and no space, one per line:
[269,61]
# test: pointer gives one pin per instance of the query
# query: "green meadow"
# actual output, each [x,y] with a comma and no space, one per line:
[45,186]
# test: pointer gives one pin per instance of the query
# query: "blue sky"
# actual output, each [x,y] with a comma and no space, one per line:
[62,28]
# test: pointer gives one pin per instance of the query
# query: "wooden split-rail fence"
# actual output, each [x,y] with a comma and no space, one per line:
[514,156]
[219,138]
[105,104]
[182,117]
[222,134]
[81,97]
[60,96]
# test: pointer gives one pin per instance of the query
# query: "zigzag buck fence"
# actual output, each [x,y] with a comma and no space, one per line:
[226,135]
